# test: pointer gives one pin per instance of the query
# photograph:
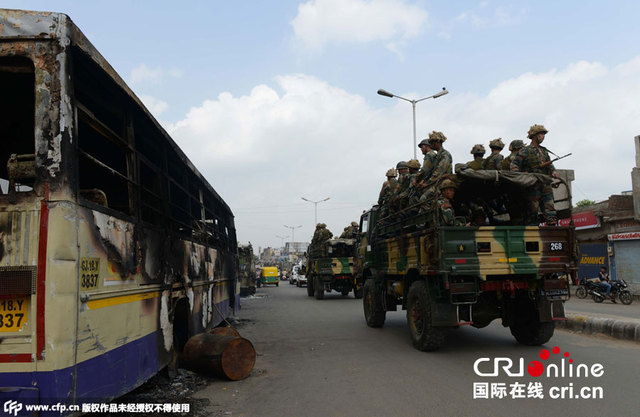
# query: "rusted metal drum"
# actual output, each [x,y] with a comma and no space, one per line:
[220,355]
[225,330]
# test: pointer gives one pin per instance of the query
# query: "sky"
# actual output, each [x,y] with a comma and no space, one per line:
[276,100]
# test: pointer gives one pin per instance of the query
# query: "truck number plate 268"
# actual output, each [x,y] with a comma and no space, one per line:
[13,313]
[556,246]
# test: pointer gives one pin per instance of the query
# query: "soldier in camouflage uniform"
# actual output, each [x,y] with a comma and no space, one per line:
[446,214]
[444,162]
[325,234]
[388,187]
[514,147]
[494,161]
[402,195]
[535,158]
[353,230]
[443,166]
[345,232]
[429,161]
[403,172]
[478,161]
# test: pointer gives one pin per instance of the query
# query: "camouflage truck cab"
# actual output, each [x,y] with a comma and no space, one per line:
[449,276]
[331,268]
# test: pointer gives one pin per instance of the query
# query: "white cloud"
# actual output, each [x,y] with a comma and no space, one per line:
[152,76]
[484,16]
[155,106]
[320,22]
[304,137]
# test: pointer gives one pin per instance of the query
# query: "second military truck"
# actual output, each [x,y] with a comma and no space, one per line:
[449,276]
[330,267]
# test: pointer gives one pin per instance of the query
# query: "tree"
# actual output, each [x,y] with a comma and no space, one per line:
[585,202]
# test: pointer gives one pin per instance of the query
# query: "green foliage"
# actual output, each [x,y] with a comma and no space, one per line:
[585,202]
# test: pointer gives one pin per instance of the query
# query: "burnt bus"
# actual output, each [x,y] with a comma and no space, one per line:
[114,249]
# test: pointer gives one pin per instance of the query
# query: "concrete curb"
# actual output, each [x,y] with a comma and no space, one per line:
[620,329]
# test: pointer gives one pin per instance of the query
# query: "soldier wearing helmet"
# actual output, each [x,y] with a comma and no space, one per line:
[444,162]
[514,147]
[478,153]
[535,158]
[429,161]
[388,187]
[494,160]
[402,193]
[446,214]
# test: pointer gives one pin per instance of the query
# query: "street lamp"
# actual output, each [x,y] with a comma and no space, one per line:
[413,105]
[293,239]
[316,206]
[283,238]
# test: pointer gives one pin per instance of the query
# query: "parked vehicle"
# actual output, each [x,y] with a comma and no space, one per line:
[597,291]
[270,275]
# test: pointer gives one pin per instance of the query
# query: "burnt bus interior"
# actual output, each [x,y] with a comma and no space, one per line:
[17,140]
[126,165]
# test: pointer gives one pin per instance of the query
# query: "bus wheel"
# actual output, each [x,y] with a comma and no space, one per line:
[423,334]
[374,313]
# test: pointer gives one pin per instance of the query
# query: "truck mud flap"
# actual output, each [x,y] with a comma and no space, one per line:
[444,314]
[550,310]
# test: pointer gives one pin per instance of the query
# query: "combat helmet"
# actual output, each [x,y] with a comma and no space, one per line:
[319,226]
[354,224]
[535,129]
[401,165]
[413,164]
[391,173]
[478,148]
[496,143]
[437,137]
[448,184]
[424,142]
[515,145]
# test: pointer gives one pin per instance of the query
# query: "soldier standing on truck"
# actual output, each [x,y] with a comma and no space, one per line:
[494,160]
[388,187]
[402,198]
[514,147]
[478,153]
[444,162]
[535,158]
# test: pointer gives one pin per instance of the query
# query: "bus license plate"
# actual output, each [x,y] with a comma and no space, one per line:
[13,313]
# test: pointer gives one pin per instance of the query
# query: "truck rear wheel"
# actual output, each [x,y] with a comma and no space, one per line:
[527,329]
[374,313]
[310,280]
[423,335]
[319,289]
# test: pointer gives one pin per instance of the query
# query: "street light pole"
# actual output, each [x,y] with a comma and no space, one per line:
[413,105]
[316,206]
[282,241]
[293,239]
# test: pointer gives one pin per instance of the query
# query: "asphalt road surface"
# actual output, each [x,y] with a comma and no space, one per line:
[318,358]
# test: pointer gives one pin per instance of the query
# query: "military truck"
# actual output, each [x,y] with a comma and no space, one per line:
[449,276]
[247,270]
[330,268]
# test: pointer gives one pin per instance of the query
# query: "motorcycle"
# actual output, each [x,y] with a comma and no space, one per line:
[597,291]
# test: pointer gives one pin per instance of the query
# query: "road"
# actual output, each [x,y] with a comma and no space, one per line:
[318,358]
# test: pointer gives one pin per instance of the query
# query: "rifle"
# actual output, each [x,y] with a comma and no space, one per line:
[546,164]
